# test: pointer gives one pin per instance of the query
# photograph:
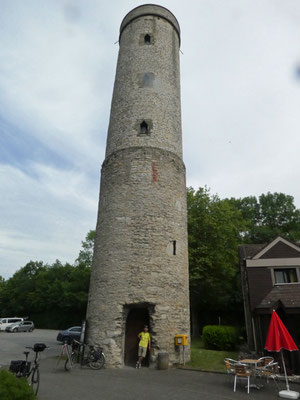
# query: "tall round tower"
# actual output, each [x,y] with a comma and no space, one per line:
[140,265]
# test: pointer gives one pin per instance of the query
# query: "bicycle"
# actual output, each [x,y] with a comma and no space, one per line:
[95,358]
[23,369]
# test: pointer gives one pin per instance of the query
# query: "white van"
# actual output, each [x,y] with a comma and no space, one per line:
[4,322]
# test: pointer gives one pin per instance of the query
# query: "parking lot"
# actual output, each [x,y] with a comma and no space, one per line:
[122,384]
[12,345]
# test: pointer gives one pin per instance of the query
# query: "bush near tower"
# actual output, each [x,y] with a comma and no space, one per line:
[220,337]
[13,388]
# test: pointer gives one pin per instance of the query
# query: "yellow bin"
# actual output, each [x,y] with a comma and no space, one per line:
[181,340]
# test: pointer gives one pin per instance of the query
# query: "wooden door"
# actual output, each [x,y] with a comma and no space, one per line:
[137,318]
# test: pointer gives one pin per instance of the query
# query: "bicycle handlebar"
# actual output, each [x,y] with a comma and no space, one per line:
[83,344]
[76,341]
[36,351]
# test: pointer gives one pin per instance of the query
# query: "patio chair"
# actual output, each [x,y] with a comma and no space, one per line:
[229,364]
[263,361]
[242,372]
[270,370]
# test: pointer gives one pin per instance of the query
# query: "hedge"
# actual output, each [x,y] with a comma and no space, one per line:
[219,337]
[13,388]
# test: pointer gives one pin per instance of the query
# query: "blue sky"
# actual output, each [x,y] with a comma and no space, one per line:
[240,110]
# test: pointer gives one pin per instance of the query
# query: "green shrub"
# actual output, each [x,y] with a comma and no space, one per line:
[218,337]
[13,388]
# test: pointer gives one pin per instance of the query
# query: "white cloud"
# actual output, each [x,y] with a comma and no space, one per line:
[240,99]
[54,80]
[240,102]
[45,217]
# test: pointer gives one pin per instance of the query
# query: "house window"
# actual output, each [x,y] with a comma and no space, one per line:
[285,275]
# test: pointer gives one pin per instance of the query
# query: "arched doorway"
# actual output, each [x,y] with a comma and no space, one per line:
[136,319]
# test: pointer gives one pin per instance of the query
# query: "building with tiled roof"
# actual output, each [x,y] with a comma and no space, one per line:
[270,275]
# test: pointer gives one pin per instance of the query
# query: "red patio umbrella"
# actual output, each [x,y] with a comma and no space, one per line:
[278,338]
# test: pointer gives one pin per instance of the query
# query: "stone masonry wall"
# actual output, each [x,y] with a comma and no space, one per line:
[142,211]
[141,252]
[160,103]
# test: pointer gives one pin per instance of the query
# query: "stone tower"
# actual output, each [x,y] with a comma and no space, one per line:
[140,265]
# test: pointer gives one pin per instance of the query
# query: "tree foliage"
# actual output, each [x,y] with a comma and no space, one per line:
[86,253]
[51,295]
[269,216]
[55,296]
[214,228]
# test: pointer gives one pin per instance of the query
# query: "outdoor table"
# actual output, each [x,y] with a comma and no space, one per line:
[252,363]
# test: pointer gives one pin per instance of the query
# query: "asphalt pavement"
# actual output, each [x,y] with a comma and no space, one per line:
[126,383]
[147,384]
[12,345]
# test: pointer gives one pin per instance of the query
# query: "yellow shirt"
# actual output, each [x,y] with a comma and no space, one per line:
[145,338]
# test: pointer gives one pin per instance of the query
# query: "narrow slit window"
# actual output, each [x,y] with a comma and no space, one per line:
[174,247]
[147,39]
[144,127]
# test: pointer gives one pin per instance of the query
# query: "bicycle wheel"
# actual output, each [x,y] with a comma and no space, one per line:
[96,360]
[35,380]
[69,365]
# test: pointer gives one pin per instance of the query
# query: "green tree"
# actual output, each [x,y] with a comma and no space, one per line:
[62,290]
[273,214]
[214,228]
[86,254]
[53,296]
[17,292]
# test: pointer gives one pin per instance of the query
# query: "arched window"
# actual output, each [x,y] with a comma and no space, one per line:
[147,39]
[144,127]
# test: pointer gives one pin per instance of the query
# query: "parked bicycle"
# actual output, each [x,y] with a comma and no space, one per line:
[23,368]
[95,357]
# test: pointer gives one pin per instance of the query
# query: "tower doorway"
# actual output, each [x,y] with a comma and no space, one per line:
[136,319]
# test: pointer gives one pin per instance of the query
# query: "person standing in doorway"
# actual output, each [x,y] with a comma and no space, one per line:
[144,343]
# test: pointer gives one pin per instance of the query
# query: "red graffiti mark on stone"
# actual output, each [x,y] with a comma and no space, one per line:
[154,171]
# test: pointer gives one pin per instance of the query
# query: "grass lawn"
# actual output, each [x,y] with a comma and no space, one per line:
[208,360]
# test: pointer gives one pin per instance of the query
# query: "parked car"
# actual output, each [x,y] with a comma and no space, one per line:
[23,326]
[68,335]
[5,322]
